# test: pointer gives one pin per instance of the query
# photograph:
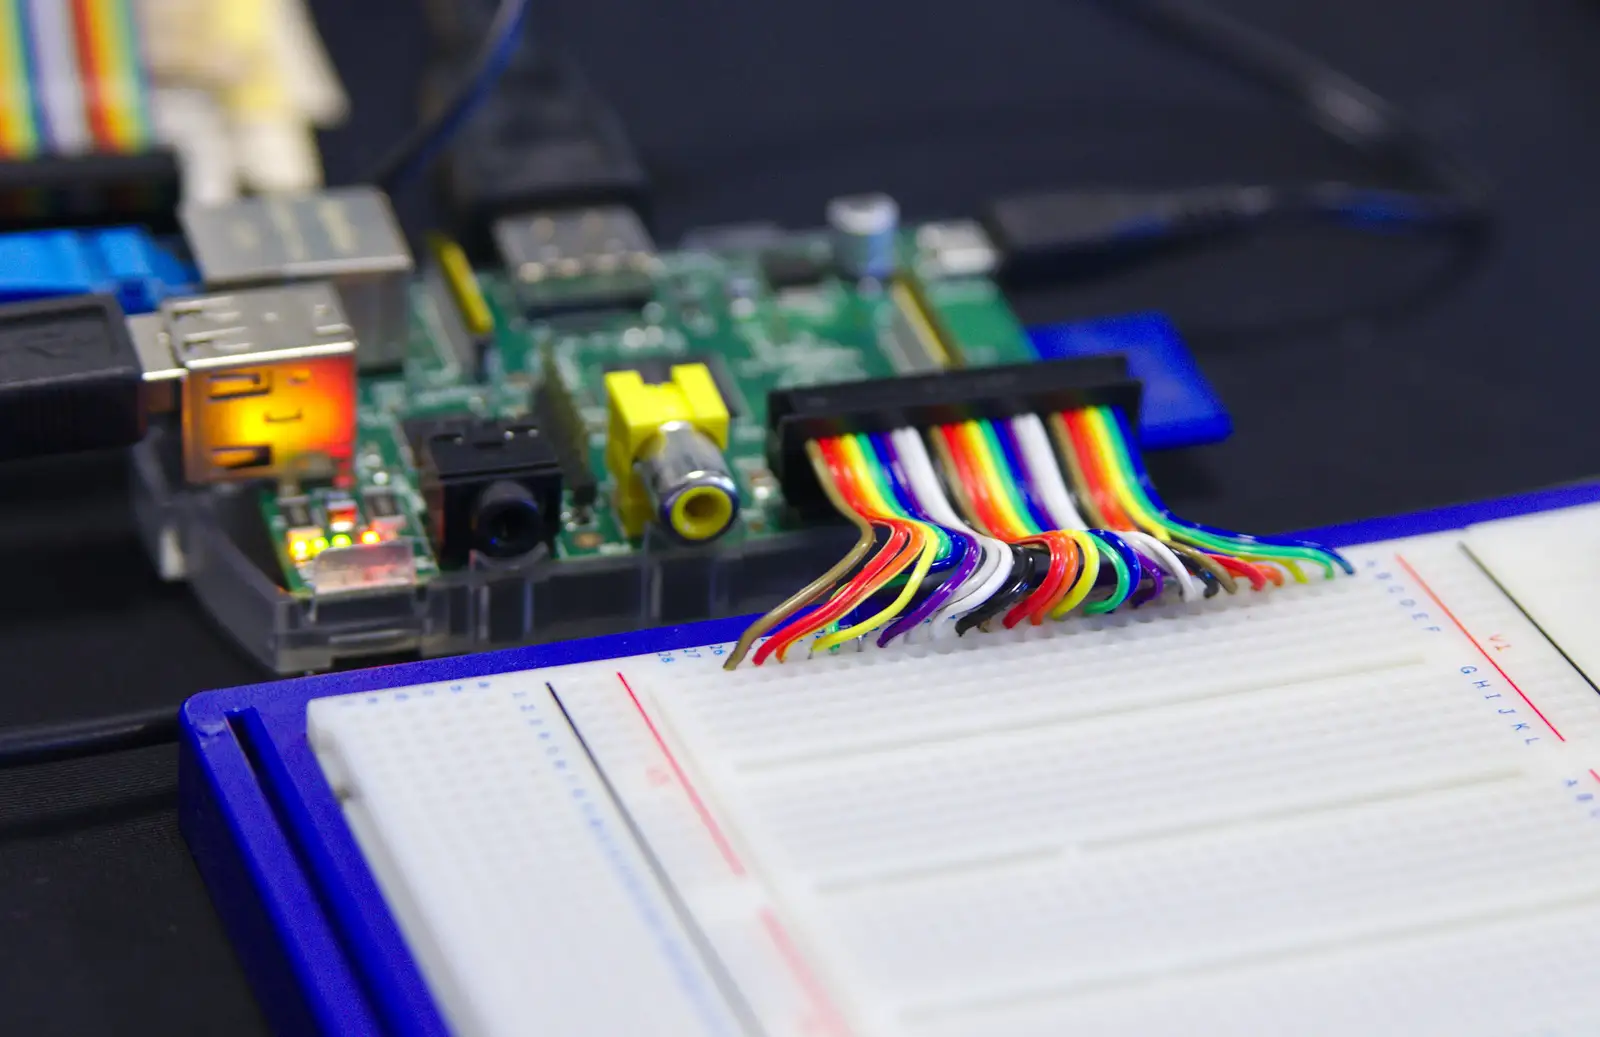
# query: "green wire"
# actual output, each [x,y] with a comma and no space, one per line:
[1124,586]
[885,490]
[991,442]
[1198,536]
[1119,594]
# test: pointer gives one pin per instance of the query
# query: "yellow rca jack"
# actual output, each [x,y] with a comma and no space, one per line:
[664,450]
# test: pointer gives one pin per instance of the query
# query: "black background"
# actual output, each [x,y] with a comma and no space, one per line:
[1364,376]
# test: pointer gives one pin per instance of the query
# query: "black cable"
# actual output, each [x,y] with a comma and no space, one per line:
[1443,192]
[419,146]
[1338,104]
[45,743]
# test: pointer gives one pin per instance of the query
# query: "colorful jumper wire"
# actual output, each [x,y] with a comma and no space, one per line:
[1002,521]
[72,80]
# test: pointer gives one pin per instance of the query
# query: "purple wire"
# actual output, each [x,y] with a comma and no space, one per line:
[942,594]
[1157,580]
[964,568]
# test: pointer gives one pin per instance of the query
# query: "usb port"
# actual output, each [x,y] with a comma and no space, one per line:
[269,377]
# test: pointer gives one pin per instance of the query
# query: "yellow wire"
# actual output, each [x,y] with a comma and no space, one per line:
[978,450]
[1100,442]
[862,469]
[463,284]
[1086,578]
[1297,573]
[929,549]
[818,587]
[1099,427]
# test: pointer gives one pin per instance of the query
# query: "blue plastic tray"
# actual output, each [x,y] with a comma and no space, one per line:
[298,900]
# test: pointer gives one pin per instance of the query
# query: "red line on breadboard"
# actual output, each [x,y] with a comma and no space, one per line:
[724,847]
[1594,774]
[1420,582]
[821,1003]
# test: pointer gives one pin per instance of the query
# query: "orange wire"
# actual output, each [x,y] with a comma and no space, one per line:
[1063,552]
[977,489]
[1094,474]
[1239,567]
[879,569]
[1064,559]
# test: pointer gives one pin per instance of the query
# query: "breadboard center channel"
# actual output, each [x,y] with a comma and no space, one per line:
[1362,806]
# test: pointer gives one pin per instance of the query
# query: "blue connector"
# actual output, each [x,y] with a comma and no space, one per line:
[122,261]
[1179,408]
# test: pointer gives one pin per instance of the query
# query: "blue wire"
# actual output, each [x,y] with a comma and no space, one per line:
[423,145]
[1245,538]
[30,59]
[958,543]
[1020,474]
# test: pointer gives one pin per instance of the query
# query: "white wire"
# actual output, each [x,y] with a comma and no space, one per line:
[995,568]
[1188,588]
[1046,472]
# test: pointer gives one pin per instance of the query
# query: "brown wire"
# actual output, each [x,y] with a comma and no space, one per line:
[957,488]
[822,584]
[1069,454]
[1207,563]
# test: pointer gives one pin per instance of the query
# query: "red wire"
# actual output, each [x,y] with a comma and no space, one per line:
[1063,556]
[1105,501]
[1239,567]
[992,517]
[977,489]
[867,580]
[96,89]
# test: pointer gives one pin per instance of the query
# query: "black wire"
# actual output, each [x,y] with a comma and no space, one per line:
[45,743]
[1026,569]
[1338,104]
[419,146]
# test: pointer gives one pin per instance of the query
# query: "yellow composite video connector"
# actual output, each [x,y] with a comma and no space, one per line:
[664,449]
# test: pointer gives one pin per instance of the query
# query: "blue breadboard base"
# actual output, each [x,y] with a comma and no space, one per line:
[1179,408]
[302,908]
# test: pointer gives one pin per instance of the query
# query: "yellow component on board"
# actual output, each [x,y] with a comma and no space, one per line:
[664,448]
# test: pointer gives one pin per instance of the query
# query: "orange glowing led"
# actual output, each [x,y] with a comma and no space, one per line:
[300,549]
[371,536]
[247,422]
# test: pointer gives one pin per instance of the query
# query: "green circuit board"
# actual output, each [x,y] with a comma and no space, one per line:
[757,322]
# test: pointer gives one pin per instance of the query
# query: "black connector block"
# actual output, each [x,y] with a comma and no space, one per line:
[795,416]
[70,378]
[491,486]
[90,190]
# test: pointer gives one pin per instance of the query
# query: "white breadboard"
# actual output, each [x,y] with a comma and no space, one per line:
[1365,807]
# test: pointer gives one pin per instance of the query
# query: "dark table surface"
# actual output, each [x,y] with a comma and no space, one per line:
[1364,376]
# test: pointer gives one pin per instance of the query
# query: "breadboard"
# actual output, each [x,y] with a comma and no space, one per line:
[1366,806]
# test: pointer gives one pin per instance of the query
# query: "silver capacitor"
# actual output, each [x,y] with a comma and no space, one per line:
[864,227]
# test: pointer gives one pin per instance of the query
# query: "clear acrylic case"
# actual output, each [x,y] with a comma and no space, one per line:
[196,534]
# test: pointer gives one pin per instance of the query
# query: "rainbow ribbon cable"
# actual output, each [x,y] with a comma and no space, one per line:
[1027,518]
[72,79]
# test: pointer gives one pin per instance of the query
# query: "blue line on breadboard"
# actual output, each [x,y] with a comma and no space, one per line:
[594,821]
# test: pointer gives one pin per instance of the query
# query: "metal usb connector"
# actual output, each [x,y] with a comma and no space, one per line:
[261,377]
